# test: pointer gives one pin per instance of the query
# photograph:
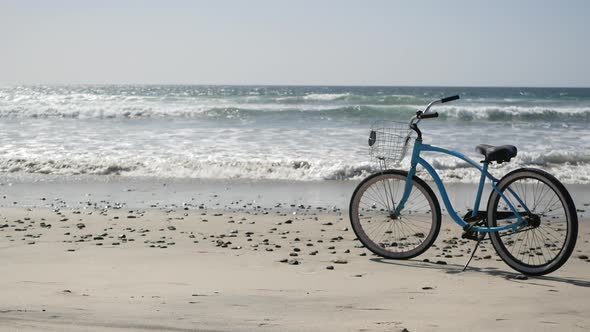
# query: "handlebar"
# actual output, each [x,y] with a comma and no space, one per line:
[451,98]
[425,115]
[428,115]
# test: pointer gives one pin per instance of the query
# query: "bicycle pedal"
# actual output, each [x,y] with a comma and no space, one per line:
[470,235]
[478,220]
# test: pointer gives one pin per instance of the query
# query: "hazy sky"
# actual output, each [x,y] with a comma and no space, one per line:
[516,43]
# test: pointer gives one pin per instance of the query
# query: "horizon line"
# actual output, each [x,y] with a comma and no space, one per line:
[302,85]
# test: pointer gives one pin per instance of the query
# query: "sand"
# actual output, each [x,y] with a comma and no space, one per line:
[221,265]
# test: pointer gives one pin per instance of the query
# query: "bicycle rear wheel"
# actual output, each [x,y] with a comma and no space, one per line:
[396,237]
[547,241]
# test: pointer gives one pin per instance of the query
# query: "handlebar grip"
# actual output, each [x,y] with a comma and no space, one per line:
[451,98]
[429,115]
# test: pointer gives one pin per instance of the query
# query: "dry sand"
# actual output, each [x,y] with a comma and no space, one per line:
[222,268]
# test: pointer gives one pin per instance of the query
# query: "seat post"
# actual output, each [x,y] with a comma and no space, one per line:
[482,180]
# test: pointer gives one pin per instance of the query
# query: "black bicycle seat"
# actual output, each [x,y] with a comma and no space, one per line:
[499,154]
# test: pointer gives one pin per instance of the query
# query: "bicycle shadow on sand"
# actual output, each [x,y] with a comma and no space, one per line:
[492,271]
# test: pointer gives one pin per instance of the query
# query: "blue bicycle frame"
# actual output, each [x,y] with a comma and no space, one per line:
[417,160]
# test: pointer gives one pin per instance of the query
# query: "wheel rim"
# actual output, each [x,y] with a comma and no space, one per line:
[541,243]
[403,235]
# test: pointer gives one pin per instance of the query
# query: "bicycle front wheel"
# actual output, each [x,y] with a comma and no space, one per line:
[403,236]
[547,240]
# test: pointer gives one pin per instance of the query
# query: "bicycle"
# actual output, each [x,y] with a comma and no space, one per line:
[530,217]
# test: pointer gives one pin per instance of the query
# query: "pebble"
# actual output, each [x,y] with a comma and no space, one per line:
[583,257]
[286,233]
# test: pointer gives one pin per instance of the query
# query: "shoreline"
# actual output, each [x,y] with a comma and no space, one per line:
[141,192]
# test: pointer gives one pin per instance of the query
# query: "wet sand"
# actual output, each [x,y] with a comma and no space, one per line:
[213,264]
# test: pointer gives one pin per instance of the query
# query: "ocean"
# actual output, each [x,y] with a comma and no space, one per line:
[296,133]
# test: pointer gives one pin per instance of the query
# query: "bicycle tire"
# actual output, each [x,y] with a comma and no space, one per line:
[546,244]
[420,225]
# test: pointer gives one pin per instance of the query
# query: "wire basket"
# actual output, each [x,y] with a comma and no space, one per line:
[389,141]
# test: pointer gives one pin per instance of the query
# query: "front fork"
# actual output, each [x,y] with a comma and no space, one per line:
[407,191]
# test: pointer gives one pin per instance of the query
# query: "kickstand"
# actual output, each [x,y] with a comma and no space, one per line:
[473,253]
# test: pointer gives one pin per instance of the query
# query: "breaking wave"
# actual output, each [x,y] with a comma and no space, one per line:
[452,170]
[479,113]
[145,102]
